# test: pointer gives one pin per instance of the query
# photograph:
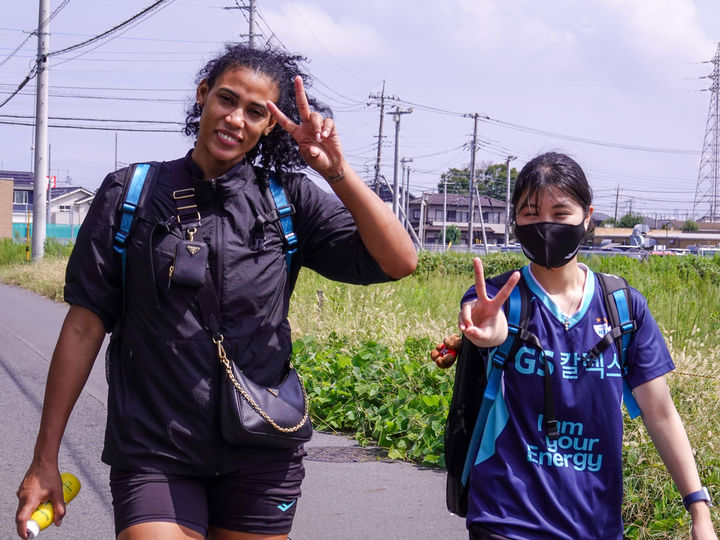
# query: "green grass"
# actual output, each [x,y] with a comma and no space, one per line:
[364,355]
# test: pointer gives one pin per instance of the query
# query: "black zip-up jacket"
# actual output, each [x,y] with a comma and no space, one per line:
[164,371]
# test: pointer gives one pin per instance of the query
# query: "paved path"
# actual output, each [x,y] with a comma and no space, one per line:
[348,493]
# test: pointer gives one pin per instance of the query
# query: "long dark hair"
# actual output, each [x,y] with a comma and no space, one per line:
[552,170]
[277,151]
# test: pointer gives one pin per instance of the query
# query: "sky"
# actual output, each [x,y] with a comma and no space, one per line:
[620,85]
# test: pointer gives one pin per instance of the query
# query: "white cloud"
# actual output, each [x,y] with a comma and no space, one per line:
[314,31]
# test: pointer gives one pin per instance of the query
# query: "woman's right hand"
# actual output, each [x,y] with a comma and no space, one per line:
[483,320]
[40,484]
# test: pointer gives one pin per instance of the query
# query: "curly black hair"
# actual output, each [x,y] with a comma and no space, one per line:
[277,151]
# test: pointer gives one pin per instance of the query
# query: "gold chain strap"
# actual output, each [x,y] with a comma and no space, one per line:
[226,362]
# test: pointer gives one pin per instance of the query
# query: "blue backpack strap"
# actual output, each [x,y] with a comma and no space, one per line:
[627,326]
[285,211]
[128,209]
[616,295]
[497,358]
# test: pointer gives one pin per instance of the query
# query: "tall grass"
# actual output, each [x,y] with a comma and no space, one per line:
[46,277]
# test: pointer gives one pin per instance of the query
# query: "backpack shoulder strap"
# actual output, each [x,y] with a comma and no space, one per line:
[280,215]
[616,296]
[516,310]
[285,211]
[138,177]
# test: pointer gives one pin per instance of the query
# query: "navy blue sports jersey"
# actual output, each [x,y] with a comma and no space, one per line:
[524,485]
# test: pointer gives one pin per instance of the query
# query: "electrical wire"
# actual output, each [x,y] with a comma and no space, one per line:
[112,30]
[35,32]
[596,142]
[302,19]
[27,79]
[94,128]
[70,118]
[109,98]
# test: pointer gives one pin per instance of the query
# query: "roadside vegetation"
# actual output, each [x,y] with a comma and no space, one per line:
[364,355]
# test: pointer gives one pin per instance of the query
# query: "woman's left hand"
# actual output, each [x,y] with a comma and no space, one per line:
[316,136]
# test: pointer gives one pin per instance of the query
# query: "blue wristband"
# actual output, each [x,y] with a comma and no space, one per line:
[701,495]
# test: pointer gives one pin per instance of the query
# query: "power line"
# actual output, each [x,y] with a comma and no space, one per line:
[34,32]
[69,118]
[114,29]
[33,71]
[27,79]
[302,19]
[109,98]
[573,138]
[94,128]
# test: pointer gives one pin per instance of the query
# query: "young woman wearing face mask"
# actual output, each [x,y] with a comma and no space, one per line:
[529,485]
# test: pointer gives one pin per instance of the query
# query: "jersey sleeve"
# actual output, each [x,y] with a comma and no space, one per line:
[93,275]
[647,354]
[329,242]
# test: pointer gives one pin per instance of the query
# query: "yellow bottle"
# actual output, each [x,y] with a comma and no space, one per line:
[43,516]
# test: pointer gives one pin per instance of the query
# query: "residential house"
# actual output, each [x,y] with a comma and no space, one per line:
[66,208]
[426,218]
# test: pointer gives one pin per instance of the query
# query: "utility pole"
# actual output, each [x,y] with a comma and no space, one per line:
[471,190]
[482,220]
[444,229]
[421,226]
[251,22]
[49,185]
[507,200]
[382,97]
[412,231]
[397,113]
[41,134]
[617,200]
[406,188]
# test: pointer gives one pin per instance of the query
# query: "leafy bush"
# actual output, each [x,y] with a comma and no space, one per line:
[399,400]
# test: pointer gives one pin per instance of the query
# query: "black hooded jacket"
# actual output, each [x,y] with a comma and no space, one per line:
[164,371]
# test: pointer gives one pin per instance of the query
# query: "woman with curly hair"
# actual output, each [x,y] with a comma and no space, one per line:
[174,471]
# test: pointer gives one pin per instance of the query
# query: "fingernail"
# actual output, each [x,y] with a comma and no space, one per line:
[325,133]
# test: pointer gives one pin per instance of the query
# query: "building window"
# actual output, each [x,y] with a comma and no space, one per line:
[416,214]
[492,217]
[20,197]
[65,208]
[450,215]
[438,215]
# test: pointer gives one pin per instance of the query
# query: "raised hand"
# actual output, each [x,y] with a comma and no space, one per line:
[483,320]
[316,136]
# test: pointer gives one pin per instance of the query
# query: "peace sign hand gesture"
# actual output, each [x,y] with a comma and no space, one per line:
[316,136]
[483,320]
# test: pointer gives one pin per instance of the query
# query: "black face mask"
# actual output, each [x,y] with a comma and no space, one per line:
[548,244]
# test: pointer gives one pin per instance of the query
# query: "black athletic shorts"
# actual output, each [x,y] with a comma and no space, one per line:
[260,498]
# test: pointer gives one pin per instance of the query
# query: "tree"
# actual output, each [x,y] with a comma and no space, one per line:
[491,180]
[452,234]
[690,225]
[629,220]
[611,221]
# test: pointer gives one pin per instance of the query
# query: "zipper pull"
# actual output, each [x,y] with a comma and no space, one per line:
[172,269]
